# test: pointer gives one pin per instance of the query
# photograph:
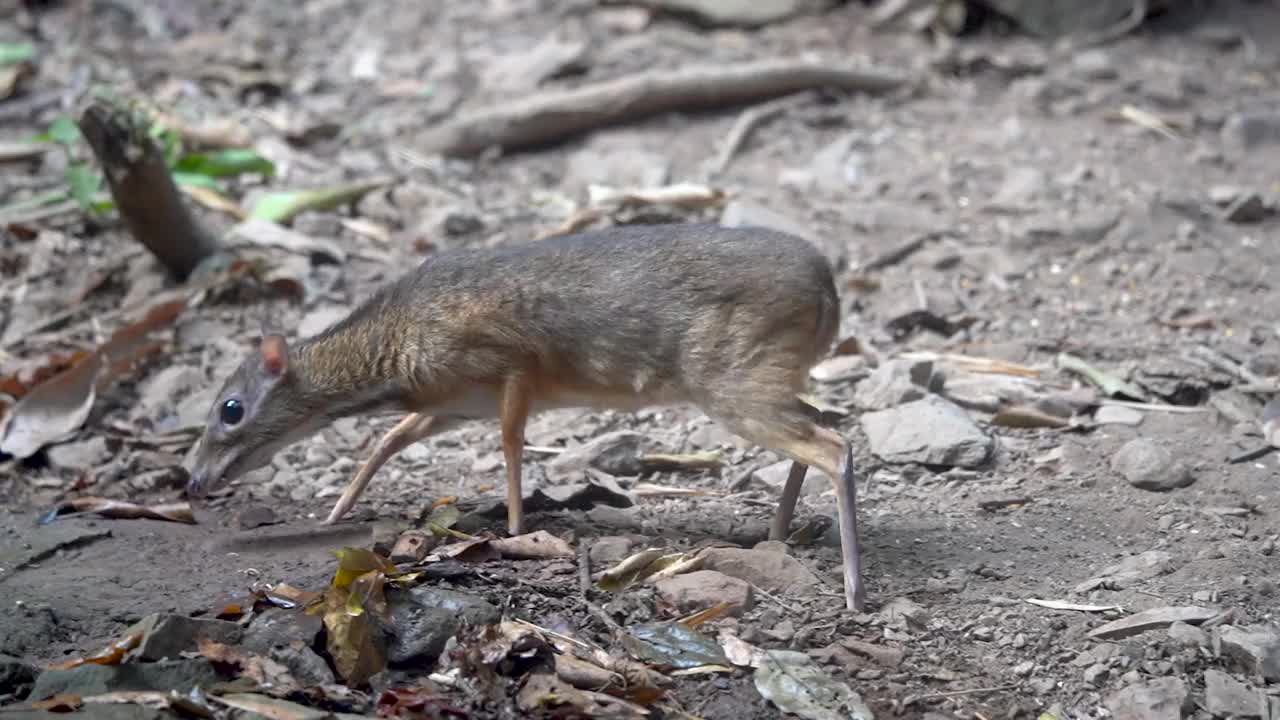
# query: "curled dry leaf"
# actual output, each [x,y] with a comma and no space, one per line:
[412,702]
[121,510]
[60,703]
[683,195]
[60,405]
[1027,416]
[544,693]
[113,654]
[356,614]
[268,707]
[797,685]
[661,462]
[673,645]
[537,545]
[474,550]
[52,410]
[630,570]
[264,672]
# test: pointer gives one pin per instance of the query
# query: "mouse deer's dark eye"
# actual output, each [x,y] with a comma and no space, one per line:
[232,412]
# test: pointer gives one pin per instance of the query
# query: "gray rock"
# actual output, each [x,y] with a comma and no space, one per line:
[79,455]
[319,319]
[1162,699]
[1149,466]
[1058,18]
[1118,415]
[770,571]
[606,551]
[1153,619]
[744,213]
[895,382]
[838,369]
[1087,228]
[168,636]
[522,72]
[424,618]
[616,518]
[1248,208]
[92,679]
[1188,635]
[16,675]
[1258,649]
[1251,129]
[616,164]
[1021,188]
[1224,696]
[774,477]
[1094,64]
[287,636]
[161,393]
[701,589]
[930,431]
[92,711]
[615,453]
[741,13]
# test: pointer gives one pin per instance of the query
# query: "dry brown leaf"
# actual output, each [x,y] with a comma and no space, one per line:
[354,619]
[214,200]
[52,410]
[267,707]
[60,405]
[263,671]
[60,703]
[1026,416]
[477,549]
[112,654]
[537,545]
[661,462]
[543,692]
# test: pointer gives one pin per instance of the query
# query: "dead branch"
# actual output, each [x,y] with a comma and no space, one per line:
[144,192]
[549,117]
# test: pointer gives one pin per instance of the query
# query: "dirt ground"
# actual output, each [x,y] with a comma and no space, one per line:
[1050,221]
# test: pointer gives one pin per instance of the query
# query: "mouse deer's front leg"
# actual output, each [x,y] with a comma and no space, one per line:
[413,428]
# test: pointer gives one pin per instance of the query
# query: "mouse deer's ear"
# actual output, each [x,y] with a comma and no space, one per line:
[275,354]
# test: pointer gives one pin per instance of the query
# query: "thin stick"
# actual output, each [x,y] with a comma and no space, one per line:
[958,693]
[548,117]
[584,569]
[747,122]
[1153,406]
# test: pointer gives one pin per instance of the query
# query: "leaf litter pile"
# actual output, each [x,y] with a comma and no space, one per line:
[388,638]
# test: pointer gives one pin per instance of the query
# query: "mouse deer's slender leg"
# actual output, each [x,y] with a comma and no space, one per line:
[411,429]
[785,428]
[787,503]
[514,411]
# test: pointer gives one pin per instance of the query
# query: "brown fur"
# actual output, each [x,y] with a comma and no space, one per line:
[729,320]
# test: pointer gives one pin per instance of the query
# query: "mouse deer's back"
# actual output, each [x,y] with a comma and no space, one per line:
[652,311]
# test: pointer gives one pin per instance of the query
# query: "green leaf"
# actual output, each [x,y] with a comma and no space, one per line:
[14,53]
[62,131]
[222,163]
[170,142]
[186,178]
[281,207]
[84,182]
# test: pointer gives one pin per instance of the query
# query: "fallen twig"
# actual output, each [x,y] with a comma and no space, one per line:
[554,116]
[747,122]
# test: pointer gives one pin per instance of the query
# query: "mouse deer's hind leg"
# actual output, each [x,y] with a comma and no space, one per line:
[785,427]
[514,412]
[411,429]
[787,503]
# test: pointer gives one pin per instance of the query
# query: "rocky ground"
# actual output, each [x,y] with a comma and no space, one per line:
[1056,352]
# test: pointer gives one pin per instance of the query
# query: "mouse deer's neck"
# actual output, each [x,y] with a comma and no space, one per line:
[350,368]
